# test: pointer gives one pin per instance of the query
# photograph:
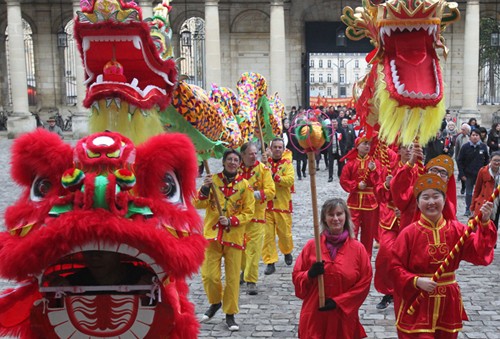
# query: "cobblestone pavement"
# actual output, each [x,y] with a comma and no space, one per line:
[274,312]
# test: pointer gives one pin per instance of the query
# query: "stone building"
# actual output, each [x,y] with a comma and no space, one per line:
[40,69]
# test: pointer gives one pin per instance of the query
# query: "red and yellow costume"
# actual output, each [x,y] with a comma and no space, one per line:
[347,281]
[260,179]
[362,202]
[418,251]
[388,231]
[279,212]
[402,193]
[237,204]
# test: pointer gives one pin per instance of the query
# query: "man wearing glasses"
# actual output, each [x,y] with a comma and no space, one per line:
[404,180]
[473,155]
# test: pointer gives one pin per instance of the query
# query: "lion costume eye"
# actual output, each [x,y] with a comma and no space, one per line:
[39,189]
[171,188]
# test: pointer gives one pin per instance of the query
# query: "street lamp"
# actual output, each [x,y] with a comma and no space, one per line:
[62,36]
[186,38]
[340,39]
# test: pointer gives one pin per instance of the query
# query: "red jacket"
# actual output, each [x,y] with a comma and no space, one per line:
[347,281]
[485,185]
[355,171]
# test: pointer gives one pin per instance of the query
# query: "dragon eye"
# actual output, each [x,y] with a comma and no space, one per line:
[39,189]
[171,188]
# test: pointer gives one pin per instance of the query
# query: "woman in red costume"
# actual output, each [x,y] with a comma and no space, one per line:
[347,275]
[420,249]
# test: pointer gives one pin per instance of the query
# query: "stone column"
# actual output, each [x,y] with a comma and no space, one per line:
[147,8]
[471,57]
[278,81]
[80,122]
[212,43]
[21,120]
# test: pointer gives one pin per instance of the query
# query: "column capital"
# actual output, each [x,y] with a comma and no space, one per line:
[211,2]
[13,2]
[277,3]
[472,2]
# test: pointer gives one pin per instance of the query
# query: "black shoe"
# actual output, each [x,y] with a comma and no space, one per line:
[252,289]
[300,178]
[304,174]
[242,279]
[270,269]
[211,312]
[330,179]
[231,324]
[288,259]
[462,191]
[384,303]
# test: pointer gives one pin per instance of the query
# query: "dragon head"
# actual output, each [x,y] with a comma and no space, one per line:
[129,64]
[406,35]
[103,196]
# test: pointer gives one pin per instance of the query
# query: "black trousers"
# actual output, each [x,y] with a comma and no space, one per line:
[340,164]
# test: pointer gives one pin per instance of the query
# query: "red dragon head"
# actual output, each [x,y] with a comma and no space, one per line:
[105,195]
[405,86]
[129,64]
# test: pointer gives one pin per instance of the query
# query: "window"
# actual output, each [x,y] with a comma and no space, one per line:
[329,64]
[311,63]
[193,51]
[329,77]
[329,91]
[312,78]
[342,78]
[320,63]
[342,63]
[30,63]
[356,76]
[356,63]
[70,66]
[321,78]
[342,91]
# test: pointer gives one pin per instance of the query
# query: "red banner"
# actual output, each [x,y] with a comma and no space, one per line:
[325,102]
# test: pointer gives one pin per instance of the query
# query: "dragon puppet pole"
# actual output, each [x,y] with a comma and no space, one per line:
[454,252]
[213,188]
[312,179]
[261,138]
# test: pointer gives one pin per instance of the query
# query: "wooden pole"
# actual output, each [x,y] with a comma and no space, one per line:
[213,188]
[261,138]
[454,252]
[312,179]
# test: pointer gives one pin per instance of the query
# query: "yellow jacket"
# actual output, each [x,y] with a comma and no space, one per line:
[284,179]
[237,203]
[260,179]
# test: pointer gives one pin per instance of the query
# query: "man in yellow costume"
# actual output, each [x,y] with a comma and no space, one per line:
[260,179]
[225,233]
[279,209]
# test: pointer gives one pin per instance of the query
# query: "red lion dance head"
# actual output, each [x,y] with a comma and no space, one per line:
[104,198]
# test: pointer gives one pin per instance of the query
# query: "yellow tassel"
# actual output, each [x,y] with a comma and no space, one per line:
[137,126]
[405,121]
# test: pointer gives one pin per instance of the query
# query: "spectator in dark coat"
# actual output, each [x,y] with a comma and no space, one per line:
[472,157]
[335,151]
[494,138]
[349,136]
[437,146]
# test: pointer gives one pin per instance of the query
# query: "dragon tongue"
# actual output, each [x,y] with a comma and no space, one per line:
[414,62]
